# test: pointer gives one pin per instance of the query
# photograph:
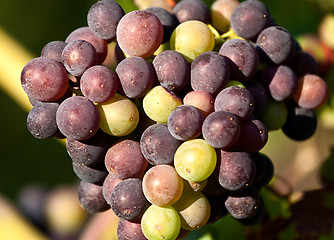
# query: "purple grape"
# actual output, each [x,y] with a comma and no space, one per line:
[264,169]
[44,79]
[99,84]
[237,170]
[191,10]
[158,145]
[103,18]
[93,174]
[127,199]
[249,18]
[236,100]
[108,186]
[221,129]
[53,50]
[85,33]
[91,197]
[259,94]
[136,76]
[243,58]
[78,118]
[302,63]
[172,69]
[78,56]
[210,72]
[185,122]
[129,230]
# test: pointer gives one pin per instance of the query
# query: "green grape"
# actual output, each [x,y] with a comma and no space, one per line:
[191,38]
[194,209]
[119,116]
[161,223]
[195,160]
[159,102]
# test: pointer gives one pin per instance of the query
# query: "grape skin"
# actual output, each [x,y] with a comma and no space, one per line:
[53,50]
[202,100]
[129,230]
[187,10]
[108,186]
[93,174]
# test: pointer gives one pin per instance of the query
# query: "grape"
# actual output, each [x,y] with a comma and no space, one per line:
[99,84]
[195,160]
[41,120]
[243,206]
[103,18]
[77,118]
[276,45]
[187,10]
[273,115]
[237,170]
[249,18]
[161,223]
[221,129]
[259,94]
[125,160]
[139,33]
[78,56]
[236,100]
[136,77]
[301,123]
[173,69]
[44,79]
[312,91]
[85,33]
[243,58]
[167,19]
[162,185]
[119,116]
[129,230]
[194,209]
[91,197]
[185,122]
[197,186]
[53,50]
[221,11]
[253,136]
[264,169]
[159,102]
[213,187]
[108,186]
[260,212]
[191,38]
[90,151]
[210,72]
[93,174]
[302,63]
[202,100]
[158,145]
[127,199]
[280,81]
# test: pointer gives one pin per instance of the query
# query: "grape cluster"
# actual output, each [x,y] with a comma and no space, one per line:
[170,138]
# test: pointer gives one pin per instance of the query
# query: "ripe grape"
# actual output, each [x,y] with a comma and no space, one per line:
[249,18]
[53,50]
[185,122]
[139,33]
[195,160]
[237,51]
[236,100]
[162,185]
[125,160]
[119,116]
[236,170]
[136,77]
[159,102]
[41,120]
[161,223]
[202,100]
[259,94]
[158,145]
[191,38]
[129,230]
[187,10]
[221,11]
[302,63]
[44,79]
[99,84]
[93,174]
[77,118]
[103,18]
[264,169]
[210,72]
[127,199]
[108,186]
[172,69]
[221,129]
[91,197]
[85,33]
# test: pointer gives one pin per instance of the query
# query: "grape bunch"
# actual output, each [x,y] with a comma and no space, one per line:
[170,137]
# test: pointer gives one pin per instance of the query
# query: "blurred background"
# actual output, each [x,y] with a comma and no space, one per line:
[39,168]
